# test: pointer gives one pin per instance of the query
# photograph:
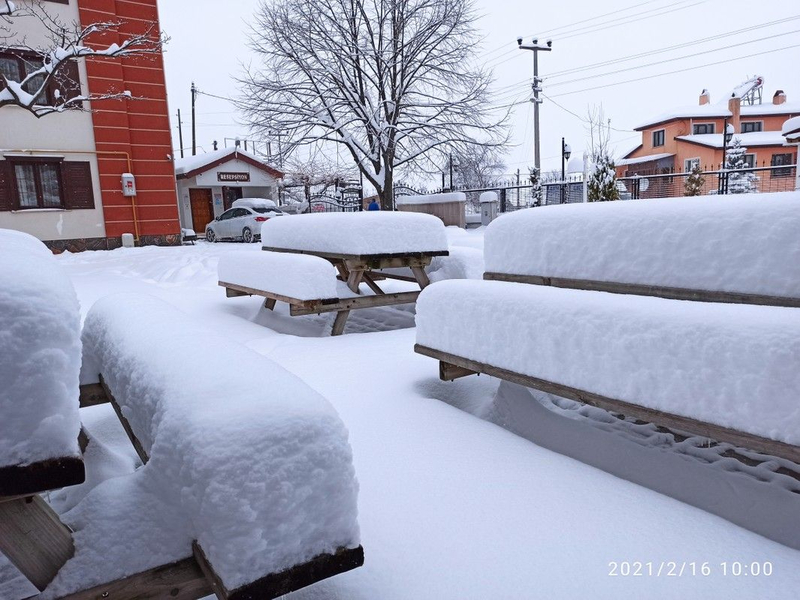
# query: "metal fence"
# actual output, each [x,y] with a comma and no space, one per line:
[328,203]
[666,185]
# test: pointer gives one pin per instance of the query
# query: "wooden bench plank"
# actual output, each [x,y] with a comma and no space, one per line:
[34,539]
[242,290]
[665,419]
[292,579]
[356,303]
[53,474]
[92,394]
[137,445]
[648,290]
[182,580]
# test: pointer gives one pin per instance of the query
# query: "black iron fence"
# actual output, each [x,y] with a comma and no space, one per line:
[749,180]
[330,203]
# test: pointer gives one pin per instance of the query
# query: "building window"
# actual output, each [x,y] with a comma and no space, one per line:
[689,164]
[780,160]
[752,126]
[30,183]
[38,184]
[750,161]
[15,65]
[702,128]
[658,138]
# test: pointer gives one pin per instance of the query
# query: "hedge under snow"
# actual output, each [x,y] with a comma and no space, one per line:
[257,461]
[368,232]
[298,276]
[733,365]
[40,354]
[747,243]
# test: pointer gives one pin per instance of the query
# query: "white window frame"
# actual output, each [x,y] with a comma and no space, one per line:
[741,126]
[688,162]
[713,128]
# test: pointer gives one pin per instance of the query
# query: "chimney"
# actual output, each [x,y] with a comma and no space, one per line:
[735,106]
[705,97]
[779,97]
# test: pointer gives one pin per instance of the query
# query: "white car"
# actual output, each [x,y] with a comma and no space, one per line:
[243,220]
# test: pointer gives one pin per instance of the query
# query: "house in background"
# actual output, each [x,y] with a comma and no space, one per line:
[209,183]
[61,175]
[689,136]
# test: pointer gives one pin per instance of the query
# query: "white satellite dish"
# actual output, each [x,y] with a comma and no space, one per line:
[644,184]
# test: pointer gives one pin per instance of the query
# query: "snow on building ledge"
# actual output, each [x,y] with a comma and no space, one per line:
[643,159]
[791,130]
[749,140]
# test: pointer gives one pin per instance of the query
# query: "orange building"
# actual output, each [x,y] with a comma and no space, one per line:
[62,176]
[682,138]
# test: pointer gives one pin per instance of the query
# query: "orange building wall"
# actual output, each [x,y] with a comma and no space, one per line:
[139,128]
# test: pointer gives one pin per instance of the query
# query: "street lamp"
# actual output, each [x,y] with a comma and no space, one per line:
[453,166]
[565,154]
[726,138]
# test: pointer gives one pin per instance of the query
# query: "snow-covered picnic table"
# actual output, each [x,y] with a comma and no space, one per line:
[308,253]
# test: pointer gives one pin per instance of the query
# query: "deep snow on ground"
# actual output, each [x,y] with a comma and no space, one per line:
[450,506]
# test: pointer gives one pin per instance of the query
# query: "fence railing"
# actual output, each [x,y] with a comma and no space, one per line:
[749,180]
[329,203]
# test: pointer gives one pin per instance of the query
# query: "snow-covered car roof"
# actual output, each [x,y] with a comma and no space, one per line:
[254,203]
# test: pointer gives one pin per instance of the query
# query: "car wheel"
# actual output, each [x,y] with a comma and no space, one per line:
[247,235]
[210,236]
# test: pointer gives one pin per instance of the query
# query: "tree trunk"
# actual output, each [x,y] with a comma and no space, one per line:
[386,195]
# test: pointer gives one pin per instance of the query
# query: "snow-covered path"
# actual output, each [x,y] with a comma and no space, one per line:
[451,506]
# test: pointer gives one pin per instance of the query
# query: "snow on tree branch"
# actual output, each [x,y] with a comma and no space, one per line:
[66,44]
[389,81]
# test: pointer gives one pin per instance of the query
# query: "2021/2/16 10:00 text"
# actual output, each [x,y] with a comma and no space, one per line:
[688,569]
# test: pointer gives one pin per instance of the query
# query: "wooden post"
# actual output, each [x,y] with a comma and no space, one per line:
[339,322]
[354,279]
[421,277]
[34,539]
[269,303]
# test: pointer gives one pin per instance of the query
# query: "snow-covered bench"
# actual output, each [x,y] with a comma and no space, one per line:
[39,423]
[256,463]
[723,365]
[304,254]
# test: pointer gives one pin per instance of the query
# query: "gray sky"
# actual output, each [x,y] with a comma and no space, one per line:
[210,46]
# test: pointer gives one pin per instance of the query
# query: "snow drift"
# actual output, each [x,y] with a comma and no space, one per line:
[257,462]
[733,365]
[368,232]
[746,244]
[41,354]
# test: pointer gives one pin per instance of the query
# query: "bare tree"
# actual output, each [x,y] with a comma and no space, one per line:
[47,65]
[388,80]
[479,165]
[317,172]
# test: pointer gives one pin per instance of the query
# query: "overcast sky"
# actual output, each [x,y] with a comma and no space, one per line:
[210,46]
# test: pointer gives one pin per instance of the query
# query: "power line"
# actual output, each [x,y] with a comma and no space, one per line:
[711,64]
[661,62]
[669,48]
[577,116]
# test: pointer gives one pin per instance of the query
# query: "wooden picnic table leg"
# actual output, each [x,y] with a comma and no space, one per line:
[342,268]
[269,303]
[421,276]
[34,539]
[354,279]
[372,285]
[339,322]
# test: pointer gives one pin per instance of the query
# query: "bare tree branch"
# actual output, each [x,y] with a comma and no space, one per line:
[387,80]
[67,43]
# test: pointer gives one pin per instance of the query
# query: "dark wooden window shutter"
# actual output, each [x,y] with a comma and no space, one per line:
[6,185]
[76,178]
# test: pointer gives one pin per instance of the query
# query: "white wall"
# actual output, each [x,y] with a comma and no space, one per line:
[69,135]
[261,185]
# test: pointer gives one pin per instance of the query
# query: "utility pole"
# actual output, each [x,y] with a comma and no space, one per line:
[194,132]
[535,47]
[180,131]
[451,172]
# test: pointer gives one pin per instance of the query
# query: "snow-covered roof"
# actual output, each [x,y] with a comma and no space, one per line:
[191,165]
[642,159]
[755,138]
[791,130]
[720,110]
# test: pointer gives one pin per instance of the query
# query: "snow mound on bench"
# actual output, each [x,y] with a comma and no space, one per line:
[747,243]
[298,276]
[368,232]
[40,354]
[733,365]
[257,461]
